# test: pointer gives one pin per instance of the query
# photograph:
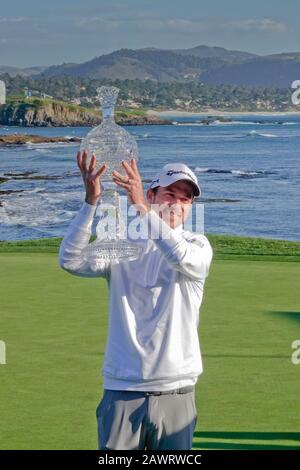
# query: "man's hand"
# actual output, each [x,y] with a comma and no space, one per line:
[133,185]
[90,178]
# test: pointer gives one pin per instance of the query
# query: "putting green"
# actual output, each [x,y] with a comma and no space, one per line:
[54,326]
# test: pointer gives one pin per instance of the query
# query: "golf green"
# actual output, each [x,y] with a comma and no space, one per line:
[54,326]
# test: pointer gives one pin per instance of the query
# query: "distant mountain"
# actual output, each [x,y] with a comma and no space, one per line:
[26,72]
[154,64]
[210,65]
[142,64]
[205,64]
[277,70]
[216,52]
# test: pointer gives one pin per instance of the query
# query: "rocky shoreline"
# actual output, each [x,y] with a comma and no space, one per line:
[23,139]
[52,113]
[27,175]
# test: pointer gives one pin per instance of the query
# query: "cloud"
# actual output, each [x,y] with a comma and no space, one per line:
[110,18]
[152,22]
[18,19]
[182,25]
[260,25]
[142,21]
[190,26]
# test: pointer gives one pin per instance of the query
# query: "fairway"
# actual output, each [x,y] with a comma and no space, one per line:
[54,326]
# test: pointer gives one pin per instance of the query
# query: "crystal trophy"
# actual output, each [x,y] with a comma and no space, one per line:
[110,143]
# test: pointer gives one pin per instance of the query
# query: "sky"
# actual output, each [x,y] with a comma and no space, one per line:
[33,32]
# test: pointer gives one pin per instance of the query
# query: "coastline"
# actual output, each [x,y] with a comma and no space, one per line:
[215,112]
[55,113]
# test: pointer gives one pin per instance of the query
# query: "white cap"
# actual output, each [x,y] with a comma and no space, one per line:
[173,172]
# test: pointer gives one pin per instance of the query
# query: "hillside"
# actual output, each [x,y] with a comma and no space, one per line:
[142,64]
[210,65]
[138,95]
[216,52]
[23,72]
[278,70]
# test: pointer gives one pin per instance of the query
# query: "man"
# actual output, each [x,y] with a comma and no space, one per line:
[152,357]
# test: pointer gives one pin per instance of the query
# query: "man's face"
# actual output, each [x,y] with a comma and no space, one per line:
[173,203]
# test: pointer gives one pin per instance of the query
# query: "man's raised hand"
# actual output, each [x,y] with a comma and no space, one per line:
[90,178]
[132,183]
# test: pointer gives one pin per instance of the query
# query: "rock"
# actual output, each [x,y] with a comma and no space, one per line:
[213,119]
[142,121]
[11,191]
[21,139]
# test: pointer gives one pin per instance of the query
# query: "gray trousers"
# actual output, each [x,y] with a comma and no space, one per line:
[134,421]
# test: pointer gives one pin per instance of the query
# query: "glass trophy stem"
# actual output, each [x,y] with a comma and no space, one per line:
[108,246]
[110,204]
[108,114]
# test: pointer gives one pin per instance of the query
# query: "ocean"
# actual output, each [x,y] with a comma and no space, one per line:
[248,169]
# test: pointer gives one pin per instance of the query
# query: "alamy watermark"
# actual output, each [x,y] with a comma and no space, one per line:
[127,222]
[296,94]
[2,352]
[295,358]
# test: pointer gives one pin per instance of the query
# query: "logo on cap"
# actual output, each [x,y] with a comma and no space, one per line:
[155,181]
[172,172]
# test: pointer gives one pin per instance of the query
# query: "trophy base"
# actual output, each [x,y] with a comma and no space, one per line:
[112,250]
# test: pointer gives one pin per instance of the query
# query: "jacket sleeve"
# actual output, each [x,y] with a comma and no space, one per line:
[191,256]
[77,237]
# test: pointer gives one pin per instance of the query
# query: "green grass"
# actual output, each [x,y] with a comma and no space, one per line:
[54,326]
[225,247]
[233,247]
[36,102]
